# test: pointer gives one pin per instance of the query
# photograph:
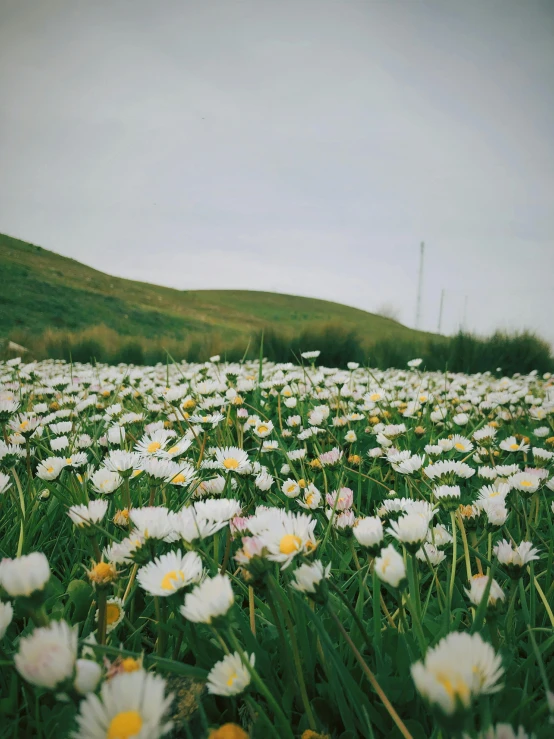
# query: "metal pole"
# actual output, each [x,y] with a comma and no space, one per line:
[419,285]
[440,312]
[465,314]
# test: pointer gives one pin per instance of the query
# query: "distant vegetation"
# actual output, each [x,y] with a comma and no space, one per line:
[59,308]
[461,353]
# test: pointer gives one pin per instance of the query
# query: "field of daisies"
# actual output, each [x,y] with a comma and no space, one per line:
[224,551]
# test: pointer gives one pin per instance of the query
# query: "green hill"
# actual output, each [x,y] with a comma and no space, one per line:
[43,290]
[57,307]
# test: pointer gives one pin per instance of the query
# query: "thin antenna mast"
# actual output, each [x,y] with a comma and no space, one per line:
[440,312]
[419,285]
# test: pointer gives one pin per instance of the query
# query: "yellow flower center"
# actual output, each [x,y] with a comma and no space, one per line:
[171,579]
[310,499]
[455,688]
[23,425]
[228,731]
[102,572]
[262,429]
[153,447]
[526,483]
[230,463]
[302,482]
[291,488]
[69,460]
[374,397]
[112,613]
[179,478]
[130,665]
[459,446]
[514,446]
[124,725]
[290,544]
[50,470]
[232,679]
[173,450]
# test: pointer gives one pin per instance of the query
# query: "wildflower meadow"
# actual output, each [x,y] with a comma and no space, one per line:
[252,549]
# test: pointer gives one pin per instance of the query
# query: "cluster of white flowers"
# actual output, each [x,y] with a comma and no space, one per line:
[172,482]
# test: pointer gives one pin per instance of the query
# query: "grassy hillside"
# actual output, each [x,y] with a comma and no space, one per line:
[44,291]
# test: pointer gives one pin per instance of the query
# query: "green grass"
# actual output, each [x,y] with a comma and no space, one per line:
[48,291]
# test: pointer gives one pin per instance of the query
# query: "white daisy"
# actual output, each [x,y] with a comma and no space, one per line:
[229,676]
[210,600]
[170,572]
[132,705]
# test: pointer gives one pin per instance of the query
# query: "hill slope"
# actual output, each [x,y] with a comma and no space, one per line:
[42,290]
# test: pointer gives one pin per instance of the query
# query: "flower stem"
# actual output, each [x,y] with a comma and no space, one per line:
[296,656]
[251,609]
[159,618]
[454,557]
[371,677]
[102,613]
[262,687]
[466,549]
[127,494]
[475,544]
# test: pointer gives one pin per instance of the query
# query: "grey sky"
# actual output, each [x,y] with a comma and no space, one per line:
[302,146]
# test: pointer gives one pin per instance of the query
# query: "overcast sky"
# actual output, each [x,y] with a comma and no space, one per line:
[300,146]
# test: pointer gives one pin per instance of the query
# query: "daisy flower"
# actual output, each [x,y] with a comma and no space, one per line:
[430,553]
[154,442]
[229,676]
[25,575]
[232,459]
[461,444]
[50,468]
[105,481]
[6,616]
[5,483]
[263,429]
[525,482]
[47,656]
[368,532]
[515,558]
[389,566]
[122,462]
[293,534]
[131,704]
[511,444]
[410,529]
[210,600]
[154,522]
[477,588]
[115,613]
[457,671]
[87,676]
[308,578]
[170,572]
[84,516]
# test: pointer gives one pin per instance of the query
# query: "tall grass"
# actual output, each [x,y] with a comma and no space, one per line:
[504,352]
